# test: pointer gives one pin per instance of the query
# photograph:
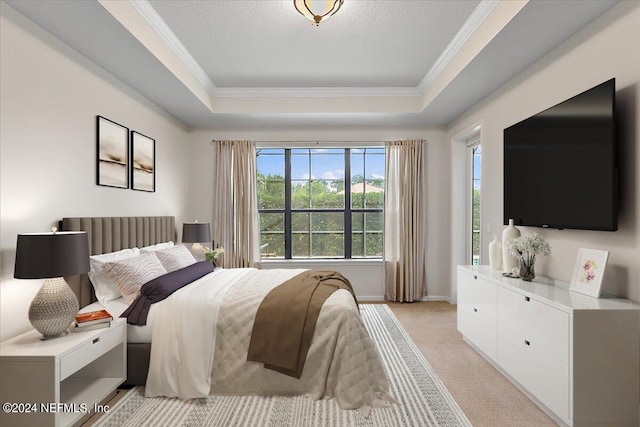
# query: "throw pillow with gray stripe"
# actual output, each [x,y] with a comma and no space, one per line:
[130,274]
[175,258]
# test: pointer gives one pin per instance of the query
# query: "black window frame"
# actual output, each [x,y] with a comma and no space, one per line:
[348,210]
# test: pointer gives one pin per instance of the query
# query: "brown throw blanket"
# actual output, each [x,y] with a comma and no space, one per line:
[286,320]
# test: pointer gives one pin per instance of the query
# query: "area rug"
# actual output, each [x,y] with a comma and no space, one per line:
[424,399]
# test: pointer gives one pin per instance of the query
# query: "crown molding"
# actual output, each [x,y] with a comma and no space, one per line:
[144,8]
[477,17]
[316,92]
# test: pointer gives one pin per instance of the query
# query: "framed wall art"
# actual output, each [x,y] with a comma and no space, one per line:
[143,162]
[112,168]
[589,271]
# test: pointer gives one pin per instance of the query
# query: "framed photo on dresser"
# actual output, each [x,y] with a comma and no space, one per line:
[112,163]
[588,271]
[143,166]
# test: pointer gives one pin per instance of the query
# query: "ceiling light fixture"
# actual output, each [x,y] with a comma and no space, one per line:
[317,11]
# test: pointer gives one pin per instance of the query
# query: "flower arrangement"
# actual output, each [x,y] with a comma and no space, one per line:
[212,254]
[588,270]
[527,248]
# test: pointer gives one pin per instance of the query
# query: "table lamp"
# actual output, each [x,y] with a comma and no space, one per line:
[196,233]
[52,256]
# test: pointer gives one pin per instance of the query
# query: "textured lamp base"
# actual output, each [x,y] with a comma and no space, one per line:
[53,308]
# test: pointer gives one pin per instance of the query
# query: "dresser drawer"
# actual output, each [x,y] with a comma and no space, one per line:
[477,297]
[523,318]
[79,358]
[482,334]
[544,376]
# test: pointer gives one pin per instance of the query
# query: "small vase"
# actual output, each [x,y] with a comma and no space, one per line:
[509,262]
[527,272]
[495,254]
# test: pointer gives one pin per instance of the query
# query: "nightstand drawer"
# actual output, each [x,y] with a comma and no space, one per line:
[89,352]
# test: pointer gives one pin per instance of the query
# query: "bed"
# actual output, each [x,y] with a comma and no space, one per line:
[342,362]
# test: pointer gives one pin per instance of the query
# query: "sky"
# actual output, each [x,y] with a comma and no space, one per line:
[323,163]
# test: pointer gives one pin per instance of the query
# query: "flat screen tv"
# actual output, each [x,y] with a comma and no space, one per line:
[560,168]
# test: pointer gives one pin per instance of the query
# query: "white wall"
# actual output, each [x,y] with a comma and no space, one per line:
[606,48]
[365,276]
[49,100]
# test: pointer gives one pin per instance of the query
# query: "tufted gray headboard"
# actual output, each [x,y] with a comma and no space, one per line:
[109,234]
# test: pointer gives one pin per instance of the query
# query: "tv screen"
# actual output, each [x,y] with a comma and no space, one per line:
[560,168]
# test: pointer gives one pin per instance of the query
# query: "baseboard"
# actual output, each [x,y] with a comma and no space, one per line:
[436,298]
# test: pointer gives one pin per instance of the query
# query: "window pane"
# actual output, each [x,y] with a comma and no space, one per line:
[327,222]
[300,245]
[374,166]
[357,244]
[327,244]
[270,164]
[271,222]
[272,245]
[357,221]
[300,195]
[270,194]
[327,237]
[373,247]
[325,195]
[327,166]
[300,221]
[300,167]
[373,221]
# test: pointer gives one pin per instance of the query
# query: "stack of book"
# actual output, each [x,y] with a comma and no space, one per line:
[93,320]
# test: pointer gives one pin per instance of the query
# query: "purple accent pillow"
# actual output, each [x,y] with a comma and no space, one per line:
[162,287]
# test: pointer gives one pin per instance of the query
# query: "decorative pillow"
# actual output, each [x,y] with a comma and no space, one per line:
[175,258]
[157,247]
[106,289]
[130,274]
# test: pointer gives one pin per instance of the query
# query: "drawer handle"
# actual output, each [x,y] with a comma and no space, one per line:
[527,299]
[527,342]
[96,340]
[475,309]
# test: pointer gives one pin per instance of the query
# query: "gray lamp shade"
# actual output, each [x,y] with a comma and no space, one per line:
[196,232]
[47,255]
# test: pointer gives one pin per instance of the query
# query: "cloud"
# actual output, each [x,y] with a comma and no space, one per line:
[336,174]
[376,176]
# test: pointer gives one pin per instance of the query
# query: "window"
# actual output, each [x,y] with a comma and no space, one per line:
[304,209]
[476,157]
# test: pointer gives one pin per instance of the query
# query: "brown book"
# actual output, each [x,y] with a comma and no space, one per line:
[93,317]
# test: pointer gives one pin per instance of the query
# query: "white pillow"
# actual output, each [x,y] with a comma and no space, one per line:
[175,258]
[130,274]
[157,247]
[106,290]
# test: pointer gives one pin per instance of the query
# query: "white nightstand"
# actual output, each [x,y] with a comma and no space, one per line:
[57,382]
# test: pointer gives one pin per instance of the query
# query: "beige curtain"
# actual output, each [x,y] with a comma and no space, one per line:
[236,204]
[405,221]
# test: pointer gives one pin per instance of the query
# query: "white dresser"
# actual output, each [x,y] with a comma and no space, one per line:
[576,356]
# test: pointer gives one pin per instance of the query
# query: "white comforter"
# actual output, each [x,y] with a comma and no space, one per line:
[202,332]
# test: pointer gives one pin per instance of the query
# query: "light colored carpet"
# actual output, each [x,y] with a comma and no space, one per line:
[486,397]
[425,401]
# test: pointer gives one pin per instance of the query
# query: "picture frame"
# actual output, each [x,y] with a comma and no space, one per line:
[588,271]
[112,153]
[143,162]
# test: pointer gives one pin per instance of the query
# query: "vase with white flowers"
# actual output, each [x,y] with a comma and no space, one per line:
[211,255]
[526,248]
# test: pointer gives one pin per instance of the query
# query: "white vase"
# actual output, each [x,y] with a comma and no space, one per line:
[509,262]
[495,253]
